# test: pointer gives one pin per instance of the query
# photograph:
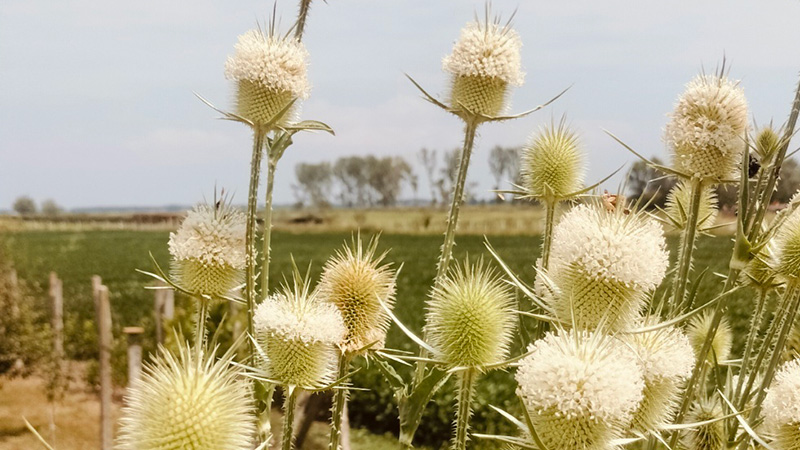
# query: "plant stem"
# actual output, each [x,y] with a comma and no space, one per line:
[200,329]
[466,390]
[752,337]
[688,237]
[339,401]
[305,6]
[289,405]
[250,235]
[265,252]
[550,208]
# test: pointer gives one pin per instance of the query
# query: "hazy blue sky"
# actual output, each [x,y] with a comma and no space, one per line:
[96,103]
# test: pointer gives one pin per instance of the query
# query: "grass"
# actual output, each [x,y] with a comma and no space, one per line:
[114,255]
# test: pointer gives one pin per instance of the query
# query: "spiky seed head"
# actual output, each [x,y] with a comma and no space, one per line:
[679,201]
[186,401]
[710,436]
[299,335]
[553,164]
[782,407]
[666,359]
[484,62]
[355,281]
[208,249]
[698,330]
[791,350]
[768,142]
[270,73]
[471,317]
[603,263]
[759,272]
[786,260]
[581,389]
[706,129]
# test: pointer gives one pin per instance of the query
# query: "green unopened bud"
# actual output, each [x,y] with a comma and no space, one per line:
[552,164]
[699,329]
[768,143]
[709,436]
[679,201]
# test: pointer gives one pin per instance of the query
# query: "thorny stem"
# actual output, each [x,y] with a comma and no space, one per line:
[250,235]
[200,330]
[466,390]
[688,237]
[755,328]
[271,164]
[305,6]
[339,401]
[287,436]
[550,208]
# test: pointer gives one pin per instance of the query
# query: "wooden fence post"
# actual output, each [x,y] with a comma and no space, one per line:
[158,309]
[57,323]
[169,304]
[104,335]
[134,353]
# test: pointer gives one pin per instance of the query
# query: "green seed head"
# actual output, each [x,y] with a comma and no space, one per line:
[759,272]
[298,335]
[710,436]
[186,401]
[261,105]
[479,95]
[786,260]
[471,317]
[356,283]
[208,250]
[552,164]
[706,129]
[768,142]
[679,202]
[698,329]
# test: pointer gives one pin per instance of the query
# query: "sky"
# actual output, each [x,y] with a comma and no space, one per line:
[97,104]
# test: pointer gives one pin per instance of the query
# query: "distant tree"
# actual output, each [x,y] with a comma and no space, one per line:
[352,175]
[313,183]
[504,165]
[648,184]
[50,208]
[449,175]
[788,183]
[24,206]
[429,163]
[387,176]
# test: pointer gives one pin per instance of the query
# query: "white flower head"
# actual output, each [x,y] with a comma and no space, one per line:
[706,129]
[208,250]
[603,263]
[299,335]
[276,63]
[487,50]
[581,389]
[782,405]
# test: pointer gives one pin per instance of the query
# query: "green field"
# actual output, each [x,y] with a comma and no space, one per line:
[114,255]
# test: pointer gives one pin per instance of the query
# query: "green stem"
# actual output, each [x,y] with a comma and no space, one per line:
[305,6]
[752,337]
[265,252]
[550,208]
[250,235]
[339,401]
[289,405]
[688,237]
[200,330]
[466,390]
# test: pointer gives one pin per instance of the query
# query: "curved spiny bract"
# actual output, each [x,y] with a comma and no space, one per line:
[679,201]
[710,436]
[698,330]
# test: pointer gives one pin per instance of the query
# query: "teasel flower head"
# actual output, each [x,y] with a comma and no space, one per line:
[553,164]
[603,263]
[759,272]
[666,360]
[208,249]
[707,127]
[767,144]
[299,336]
[679,201]
[786,260]
[709,436]
[581,389]
[485,61]
[355,281]
[698,330]
[782,407]
[189,400]
[791,350]
[270,74]
[470,318]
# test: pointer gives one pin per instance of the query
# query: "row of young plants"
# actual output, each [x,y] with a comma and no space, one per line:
[609,364]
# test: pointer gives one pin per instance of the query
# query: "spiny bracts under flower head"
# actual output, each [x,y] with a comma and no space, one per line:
[699,328]
[603,263]
[759,272]
[666,360]
[581,389]
[786,260]
[299,335]
[270,72]
[471,317]
[186,401]
[709,436]
[552,164]
[356,283]
[208,250]
[484,62]
[782,407]
[679,200]
[707,127]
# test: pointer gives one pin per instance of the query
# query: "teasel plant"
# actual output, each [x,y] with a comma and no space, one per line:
[484,64]
[359,285]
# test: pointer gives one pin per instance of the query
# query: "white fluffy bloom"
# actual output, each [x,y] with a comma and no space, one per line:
[782,403]
[276,63]
[581,389]
[487,50]
[706,128]
[308,321]
[603,263]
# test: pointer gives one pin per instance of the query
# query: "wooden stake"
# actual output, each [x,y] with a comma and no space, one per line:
[57,322]
[104,334]
[158,310]
[134,353]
